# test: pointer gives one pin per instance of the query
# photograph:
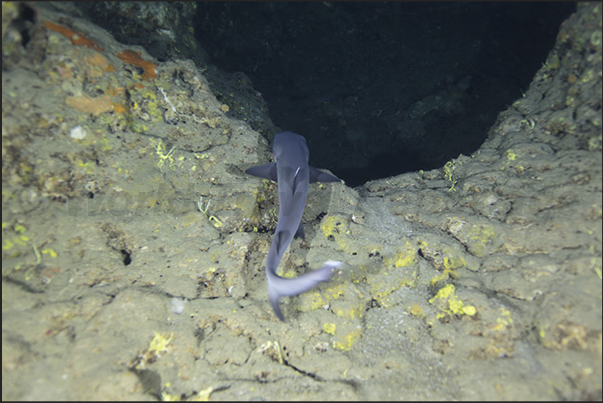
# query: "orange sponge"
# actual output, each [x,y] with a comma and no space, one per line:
[133,58]
[77,38]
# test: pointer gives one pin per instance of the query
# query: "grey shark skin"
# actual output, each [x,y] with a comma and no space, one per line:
[293,175]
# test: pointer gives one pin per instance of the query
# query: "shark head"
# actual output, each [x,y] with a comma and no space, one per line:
[289,145]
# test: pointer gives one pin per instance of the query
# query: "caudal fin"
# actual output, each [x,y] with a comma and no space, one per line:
[288,287]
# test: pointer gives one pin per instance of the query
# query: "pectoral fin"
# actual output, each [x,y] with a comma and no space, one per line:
[279,241]
[319,176]
[267,171]
[300,231]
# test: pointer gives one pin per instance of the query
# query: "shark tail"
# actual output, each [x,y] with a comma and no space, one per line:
[288,287]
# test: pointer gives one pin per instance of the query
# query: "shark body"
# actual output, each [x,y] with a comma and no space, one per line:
[293,175]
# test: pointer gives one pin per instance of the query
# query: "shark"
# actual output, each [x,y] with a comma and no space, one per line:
[293,175]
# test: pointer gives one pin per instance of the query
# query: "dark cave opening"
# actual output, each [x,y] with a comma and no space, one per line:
[379,89]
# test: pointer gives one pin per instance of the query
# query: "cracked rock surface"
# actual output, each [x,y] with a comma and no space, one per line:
[134,244]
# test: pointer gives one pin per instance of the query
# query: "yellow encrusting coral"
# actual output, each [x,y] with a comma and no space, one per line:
[160,343]
[345,340]
[157,346]
[329,328]
[336,228]
[448,303]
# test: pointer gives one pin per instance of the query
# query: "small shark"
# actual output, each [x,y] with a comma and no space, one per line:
[293,175]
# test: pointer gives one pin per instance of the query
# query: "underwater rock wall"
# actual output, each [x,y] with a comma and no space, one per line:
[124,191]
